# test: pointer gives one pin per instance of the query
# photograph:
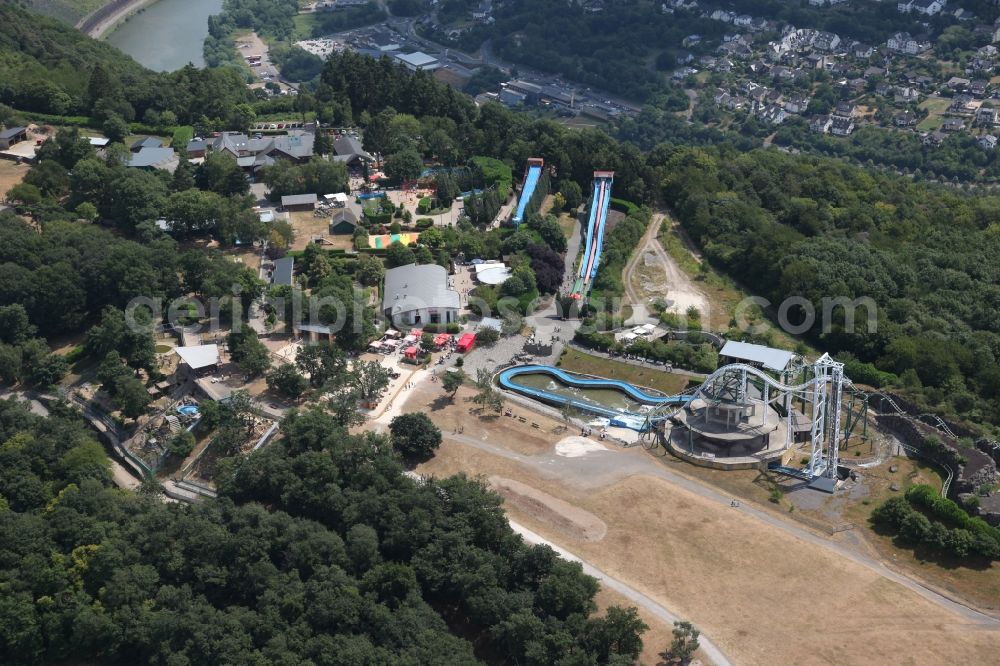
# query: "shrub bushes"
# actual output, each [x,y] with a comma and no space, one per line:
[424,223]
[916,518]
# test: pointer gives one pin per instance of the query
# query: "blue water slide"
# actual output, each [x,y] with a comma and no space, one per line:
[602,225]
[530,182]
[590,227]
[576,381]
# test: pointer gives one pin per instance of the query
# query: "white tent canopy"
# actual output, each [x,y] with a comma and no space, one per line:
[200,356]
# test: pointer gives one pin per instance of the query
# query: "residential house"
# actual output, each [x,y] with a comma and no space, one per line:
[826,41]
[905,43]
[922,7]
[820,124]
[771,114]
[905,119]
[691,40]
[957,83]
[683,57]
[953,125]
[841,126]
[964,105]
[723,15]
[935,138]
[987,142]
[906,95]
[860,50]
[987,117]
[796,103]
[758,24]
[884,88]
[846,110]
[978,89]
[196,148]
[743,20]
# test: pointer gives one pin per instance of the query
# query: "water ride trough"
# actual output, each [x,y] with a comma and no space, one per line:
[618,417]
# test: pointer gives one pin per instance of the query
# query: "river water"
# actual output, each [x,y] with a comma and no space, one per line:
[167,34]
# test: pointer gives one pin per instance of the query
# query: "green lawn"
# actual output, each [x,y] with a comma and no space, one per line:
[935,112]
[585,364]
[304,24]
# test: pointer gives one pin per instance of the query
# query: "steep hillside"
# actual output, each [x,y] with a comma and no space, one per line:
[49,67]
[68,11]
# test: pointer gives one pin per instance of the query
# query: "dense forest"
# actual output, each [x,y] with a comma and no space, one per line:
[319,551]
[49,67]
[817,228]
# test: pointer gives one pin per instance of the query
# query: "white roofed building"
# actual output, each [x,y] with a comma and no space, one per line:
[768,358]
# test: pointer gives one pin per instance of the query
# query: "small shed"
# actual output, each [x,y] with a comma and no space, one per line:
[343,222]
[466,341]
[298,201]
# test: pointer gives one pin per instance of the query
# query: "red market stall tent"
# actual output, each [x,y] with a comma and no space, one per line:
[466,341]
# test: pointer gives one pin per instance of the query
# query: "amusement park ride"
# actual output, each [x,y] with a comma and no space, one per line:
[741,408]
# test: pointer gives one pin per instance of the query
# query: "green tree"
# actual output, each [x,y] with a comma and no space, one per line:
[287,380]
[415,436]
[452,380]
[404,165]
[370,378]
[181,444]
[248,351]
[685,641]
[398,254]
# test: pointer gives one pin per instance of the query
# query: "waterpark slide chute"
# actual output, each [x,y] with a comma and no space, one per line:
[531,178]
[618,417]
[596,224]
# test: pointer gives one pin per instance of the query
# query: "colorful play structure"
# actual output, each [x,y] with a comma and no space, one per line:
[385,240]
[621,418]
[528,185]
[596,224]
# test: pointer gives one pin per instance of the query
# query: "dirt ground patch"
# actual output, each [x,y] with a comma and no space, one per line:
[10,175]
[572,521]
[764,595]
[307,226]
[461,415]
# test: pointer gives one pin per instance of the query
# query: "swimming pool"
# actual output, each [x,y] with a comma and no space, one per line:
[623,403]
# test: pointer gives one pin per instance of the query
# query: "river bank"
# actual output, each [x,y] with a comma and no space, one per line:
[106,24]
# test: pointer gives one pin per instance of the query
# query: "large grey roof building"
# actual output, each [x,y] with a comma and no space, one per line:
[419,295]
